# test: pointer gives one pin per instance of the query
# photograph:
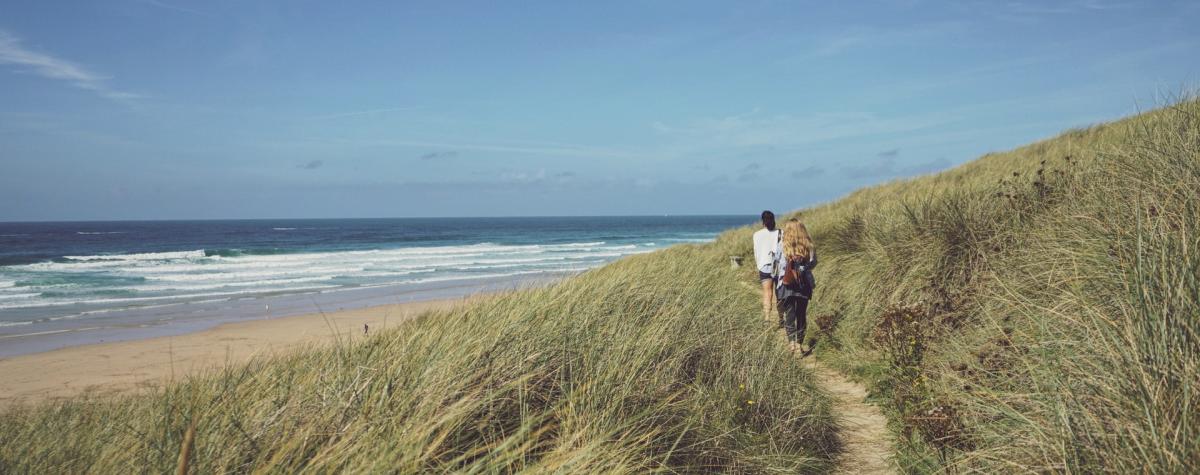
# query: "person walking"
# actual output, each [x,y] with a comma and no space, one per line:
[766,245]
[794,281]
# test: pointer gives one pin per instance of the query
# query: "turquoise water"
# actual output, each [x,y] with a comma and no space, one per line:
[110,277]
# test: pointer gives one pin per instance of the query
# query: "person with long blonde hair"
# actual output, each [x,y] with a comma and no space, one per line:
[794,282]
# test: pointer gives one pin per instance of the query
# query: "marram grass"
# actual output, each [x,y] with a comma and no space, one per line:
[1032,311]
[654,363]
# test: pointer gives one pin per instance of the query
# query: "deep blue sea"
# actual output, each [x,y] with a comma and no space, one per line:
[97,278]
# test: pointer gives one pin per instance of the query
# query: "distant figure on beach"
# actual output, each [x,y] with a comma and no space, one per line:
[794,282]
[766,244]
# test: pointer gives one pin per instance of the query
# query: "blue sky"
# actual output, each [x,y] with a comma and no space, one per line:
[162,109]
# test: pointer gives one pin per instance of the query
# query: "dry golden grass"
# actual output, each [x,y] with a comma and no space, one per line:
[618,370]
[1053,294]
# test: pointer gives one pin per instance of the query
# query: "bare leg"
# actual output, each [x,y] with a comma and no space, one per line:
[768,302]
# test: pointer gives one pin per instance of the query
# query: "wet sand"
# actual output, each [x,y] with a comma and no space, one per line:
[129,366]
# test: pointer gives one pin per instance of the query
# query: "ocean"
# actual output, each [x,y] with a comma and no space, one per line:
[69,283]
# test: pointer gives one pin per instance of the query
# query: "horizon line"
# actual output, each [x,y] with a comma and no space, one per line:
[166,220]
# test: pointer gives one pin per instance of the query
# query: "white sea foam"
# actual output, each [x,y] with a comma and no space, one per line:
[264,284]
[169,278]
[251,274]
[283,229]
[480,276]
[93,233]
[148,256]
[129,300]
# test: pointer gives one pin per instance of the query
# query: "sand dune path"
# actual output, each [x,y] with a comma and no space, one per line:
[867,443]
[865,438]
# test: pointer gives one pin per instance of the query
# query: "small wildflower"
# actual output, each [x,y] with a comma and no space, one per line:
[741,386]
[749,402]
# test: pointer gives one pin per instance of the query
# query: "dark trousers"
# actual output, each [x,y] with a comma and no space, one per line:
[793,316]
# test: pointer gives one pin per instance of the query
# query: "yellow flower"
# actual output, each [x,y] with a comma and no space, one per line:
[749,401]
[741,386]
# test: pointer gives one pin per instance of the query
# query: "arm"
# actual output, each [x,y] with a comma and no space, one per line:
[778,260]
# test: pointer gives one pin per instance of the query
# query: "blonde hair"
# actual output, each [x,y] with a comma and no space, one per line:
[796,241]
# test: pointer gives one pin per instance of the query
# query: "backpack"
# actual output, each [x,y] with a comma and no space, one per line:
[796,280]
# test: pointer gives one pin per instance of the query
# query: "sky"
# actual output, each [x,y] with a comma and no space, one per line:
[176,109]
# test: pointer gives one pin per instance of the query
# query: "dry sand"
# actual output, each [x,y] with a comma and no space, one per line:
[110,368]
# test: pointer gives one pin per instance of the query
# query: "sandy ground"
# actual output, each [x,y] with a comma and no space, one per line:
[109,368]
[867,443]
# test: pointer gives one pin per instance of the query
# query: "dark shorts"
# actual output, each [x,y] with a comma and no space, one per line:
[763,276]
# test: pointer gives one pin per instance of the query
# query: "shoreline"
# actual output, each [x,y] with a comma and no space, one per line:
[142,323]
[124,367]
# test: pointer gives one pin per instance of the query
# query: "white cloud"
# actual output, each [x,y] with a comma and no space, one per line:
[758,129]
[523,176]
[563,150]
[47,66]
[887,166]
[850,39]
[362,112]
[1030,12]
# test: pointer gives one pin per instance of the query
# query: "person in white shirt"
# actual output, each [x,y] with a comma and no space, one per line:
[766,245]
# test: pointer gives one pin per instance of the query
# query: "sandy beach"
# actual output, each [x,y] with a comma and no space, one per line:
[128,366]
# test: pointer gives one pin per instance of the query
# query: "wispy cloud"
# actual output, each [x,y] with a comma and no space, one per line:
[758,129]
[748,177]
[527,177]
[1031,12]
[564,150]
[838,44]
[811,171]
[341,115]
[886,166]
[523,177]
[833,43]
[437,155]
[170,6]
[313,165]
[14,53]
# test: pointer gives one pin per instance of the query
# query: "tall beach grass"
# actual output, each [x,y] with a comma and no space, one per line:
[1031,311]
[654,363]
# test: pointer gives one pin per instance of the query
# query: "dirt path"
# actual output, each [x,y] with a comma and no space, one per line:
[867,443]
[868,446]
